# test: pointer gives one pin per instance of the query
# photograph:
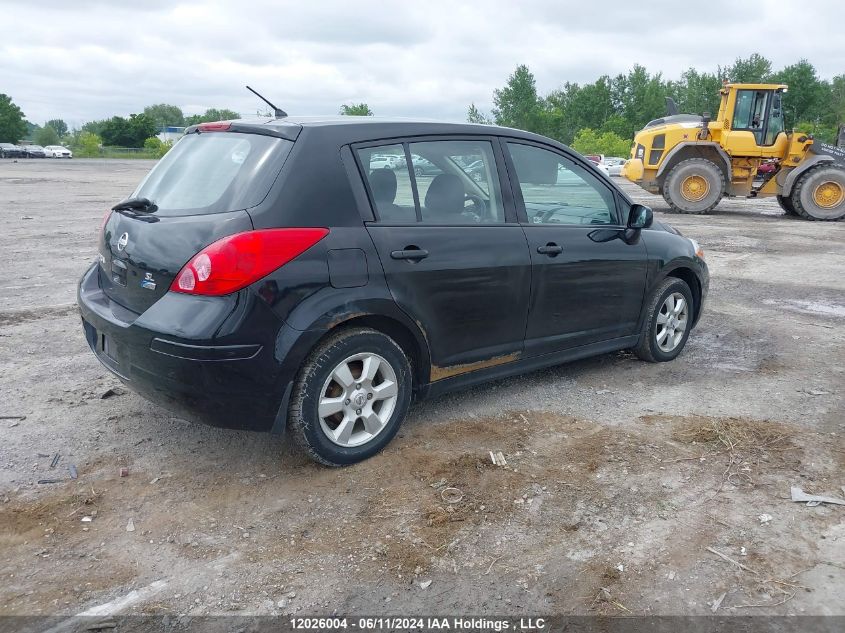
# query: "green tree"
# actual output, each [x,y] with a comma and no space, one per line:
[356,109]
[57,124]
[696,92]
[753,70]
[639,97]
[212,114]
[589,141]
[517,104]
[131,132]
[156,146]
[47,135]
[87,145]
[31,130]
[836,105]
[12,126]
[474,115]
[807,98]
[165,115]
[94,127]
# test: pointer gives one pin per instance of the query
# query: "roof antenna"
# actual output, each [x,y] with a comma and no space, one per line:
[280,114]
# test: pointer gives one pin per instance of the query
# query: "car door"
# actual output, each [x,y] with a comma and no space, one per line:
[454,257]
[588,276]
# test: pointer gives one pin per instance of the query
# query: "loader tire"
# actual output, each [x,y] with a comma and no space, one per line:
[819,194]
[786,204]
[694,185]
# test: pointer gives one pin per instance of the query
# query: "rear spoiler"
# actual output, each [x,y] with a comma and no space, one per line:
[289,131]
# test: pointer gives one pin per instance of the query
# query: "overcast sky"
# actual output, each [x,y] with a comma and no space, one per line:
[89,59]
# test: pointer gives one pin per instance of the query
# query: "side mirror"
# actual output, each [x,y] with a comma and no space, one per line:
[640,217]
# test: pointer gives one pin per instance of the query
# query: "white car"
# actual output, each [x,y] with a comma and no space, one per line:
[57,151]
[614,165]
[600,166]
[382,162]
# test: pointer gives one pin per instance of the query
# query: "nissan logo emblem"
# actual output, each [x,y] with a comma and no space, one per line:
[122,241]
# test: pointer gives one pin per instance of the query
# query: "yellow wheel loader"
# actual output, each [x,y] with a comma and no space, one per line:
[693,161]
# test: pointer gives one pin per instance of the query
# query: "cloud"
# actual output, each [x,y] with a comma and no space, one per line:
[91,59]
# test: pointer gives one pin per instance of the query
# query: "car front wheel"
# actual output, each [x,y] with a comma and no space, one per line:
[350,397]
[669,315]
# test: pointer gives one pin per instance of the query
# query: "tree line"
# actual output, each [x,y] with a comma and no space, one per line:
[602,116]
[135,131]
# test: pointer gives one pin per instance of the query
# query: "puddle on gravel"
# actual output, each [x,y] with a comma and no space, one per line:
[826,308]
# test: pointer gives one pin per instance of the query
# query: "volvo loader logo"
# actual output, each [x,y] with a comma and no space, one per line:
[122,241]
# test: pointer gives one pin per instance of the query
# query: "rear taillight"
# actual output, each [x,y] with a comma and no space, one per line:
[104,222]
[216,126]
[239,260]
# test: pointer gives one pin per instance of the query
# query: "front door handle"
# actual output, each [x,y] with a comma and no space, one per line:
[551,249]
[412,253]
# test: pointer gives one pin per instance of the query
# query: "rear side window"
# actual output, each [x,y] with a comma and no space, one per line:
[390,183]
[435,182]
[214,173]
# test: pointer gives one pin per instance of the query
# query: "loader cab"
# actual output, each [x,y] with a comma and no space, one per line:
[752,117]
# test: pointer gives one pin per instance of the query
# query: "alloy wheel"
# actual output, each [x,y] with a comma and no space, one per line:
[672,322]
[357,399]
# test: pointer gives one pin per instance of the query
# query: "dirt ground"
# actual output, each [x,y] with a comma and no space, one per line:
[622,477]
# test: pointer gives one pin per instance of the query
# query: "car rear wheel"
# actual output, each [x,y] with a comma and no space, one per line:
[669,315]
[694,185]
[350,397]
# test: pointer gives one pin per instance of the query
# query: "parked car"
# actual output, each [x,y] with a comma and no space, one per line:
[600,166]
[242,286]
[614,165]
[57,151]
[424,167]
[7,150]
[34,151]
[382,162]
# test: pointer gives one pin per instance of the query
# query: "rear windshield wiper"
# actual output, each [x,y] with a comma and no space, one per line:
[140,205]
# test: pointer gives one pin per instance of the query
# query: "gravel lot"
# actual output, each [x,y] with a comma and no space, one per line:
[620,474]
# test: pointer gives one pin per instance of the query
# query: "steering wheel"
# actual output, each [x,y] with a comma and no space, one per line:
[478,209]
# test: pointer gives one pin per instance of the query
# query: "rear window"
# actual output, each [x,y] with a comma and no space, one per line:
[214,173]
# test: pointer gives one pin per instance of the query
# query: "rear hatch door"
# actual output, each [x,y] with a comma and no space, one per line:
[198,193]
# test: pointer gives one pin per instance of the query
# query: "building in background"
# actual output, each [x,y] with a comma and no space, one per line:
[170,134]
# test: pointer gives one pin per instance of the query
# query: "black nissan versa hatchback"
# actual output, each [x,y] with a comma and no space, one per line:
[297,274]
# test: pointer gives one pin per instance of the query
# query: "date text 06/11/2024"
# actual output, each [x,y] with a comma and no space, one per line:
[394,623]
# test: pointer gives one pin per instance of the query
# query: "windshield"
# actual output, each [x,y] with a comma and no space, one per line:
[214,173]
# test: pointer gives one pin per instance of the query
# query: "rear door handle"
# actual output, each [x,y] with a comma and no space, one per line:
[410,253]
[550,249]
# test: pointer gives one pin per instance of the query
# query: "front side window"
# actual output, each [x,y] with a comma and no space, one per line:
[557,190]
[444,182]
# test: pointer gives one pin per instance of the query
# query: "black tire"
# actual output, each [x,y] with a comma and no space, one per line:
[712,175]
[802,196]
[786,204]
[304,422]
[647,348]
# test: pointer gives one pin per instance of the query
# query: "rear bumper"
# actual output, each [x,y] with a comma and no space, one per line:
[228,381]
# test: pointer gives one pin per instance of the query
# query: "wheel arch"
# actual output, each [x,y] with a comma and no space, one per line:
[409,338]
[688,276]
[685,271]
[682,151]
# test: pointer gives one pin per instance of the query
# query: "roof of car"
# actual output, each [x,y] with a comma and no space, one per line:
[352,129]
